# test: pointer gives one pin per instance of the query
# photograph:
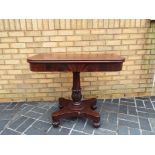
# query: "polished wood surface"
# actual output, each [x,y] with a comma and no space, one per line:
[70,57]
[76,63]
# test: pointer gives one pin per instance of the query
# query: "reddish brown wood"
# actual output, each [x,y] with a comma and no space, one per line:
[76,63]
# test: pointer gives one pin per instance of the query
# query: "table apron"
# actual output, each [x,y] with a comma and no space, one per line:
[76,67]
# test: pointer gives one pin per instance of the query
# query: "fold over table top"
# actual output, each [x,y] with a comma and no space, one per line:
[70,57]
[75,62]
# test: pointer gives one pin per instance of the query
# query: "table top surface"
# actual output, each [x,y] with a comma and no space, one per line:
[72,57]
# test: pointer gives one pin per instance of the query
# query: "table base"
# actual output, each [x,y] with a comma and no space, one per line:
[69,108]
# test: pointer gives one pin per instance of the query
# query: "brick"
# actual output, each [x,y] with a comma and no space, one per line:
[59,49]
[90,48]
[25,39]
[3,34]
[7,40]
[130,30]
[65,32]
[34,24]
[17,45]
[49,44]
[23,24]
[81,43]
[45,24]
[73,38]
[98,31]
[82,32]
[41,39]
[74,49]
[128,42]
[65,44]
[114,31]
[57,38]
[12,62]
[4,45]
[49,33]
[16,33]
[113,42]
[32,33]
[29,24]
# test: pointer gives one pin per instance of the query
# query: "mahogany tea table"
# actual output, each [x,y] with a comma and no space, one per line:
[76,63]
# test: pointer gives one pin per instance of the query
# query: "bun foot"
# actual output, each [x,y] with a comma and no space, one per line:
[96,124]
[60,106]
[93,107]
[56,124]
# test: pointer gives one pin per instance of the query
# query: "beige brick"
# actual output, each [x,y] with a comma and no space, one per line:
[32,33]
[1,25]
[11,62]
[113,42]
[17,45]
[59,49]
[51,24]
[34,24]
[121,36]
[65,44]
[16,33]
[4,45]
[114,31]
[73,49]
[29,24]
[49,33]
[68,25]
[39,24]
[6,24]
[34,44]
[84,23]
[81,43]
[45,24]
[65,32]
[90,37]
[135,47]
[49,44]
[97,43]
[136,36]
[90,23]
[25,39]
[73,24]
[41,39]
[105,36]
[106,23]
[29,50]
[12,72]
[95,23]
[56,23]
[7,40]
[1,62]
[128,42]
[130,30]
[57,38]
[82,32]
[134,67]
[23,24]
[3,34]
[98,31]
[12,24]
[104,48]
[17,24]
[111,23]
[4,67]
[73,38]
[90,48]
[123,47]
[62,23]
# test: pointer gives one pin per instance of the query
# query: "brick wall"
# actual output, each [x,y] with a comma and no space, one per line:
[133,39]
